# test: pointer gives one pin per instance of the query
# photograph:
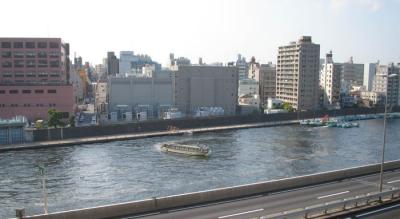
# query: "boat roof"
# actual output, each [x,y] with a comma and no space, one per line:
[184,145]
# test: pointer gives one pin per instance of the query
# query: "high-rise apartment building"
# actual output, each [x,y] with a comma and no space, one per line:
[242,66]
[267,82]
[297,74]
[34,76]
[353,73]
[330,82]
[112,64]
[369,75]
[383,84]
[205,86]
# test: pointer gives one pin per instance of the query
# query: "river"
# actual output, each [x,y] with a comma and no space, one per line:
[105,173]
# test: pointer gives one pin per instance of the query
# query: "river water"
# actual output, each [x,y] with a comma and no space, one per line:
[106,173]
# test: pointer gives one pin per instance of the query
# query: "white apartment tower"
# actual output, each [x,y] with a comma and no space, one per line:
[330,82]
[297,74]
[382,84]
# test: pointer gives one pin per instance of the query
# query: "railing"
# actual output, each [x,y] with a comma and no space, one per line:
[336,206]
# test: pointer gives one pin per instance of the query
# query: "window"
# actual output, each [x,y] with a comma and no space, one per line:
[52,91]
[42,54]
[18,54]
[42,63]
[13,91]
[29,45]
[6,54]
[18,63]
[42,45]
[19,75]
[30,63]
[6,45]
[30,75]
[7,75]
[18,45]
[39,91]
[54,54]
[30,55]
[26,91]
[54,64]
[6,64]
[43,75]
[2,91]
[54,45]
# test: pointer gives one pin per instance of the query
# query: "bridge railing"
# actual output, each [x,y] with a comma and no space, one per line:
[336,206]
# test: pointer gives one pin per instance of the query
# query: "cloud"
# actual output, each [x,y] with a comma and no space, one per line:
[370,5]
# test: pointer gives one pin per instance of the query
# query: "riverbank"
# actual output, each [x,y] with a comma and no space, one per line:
[103,139]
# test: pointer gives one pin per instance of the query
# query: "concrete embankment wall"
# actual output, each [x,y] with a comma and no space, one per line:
[190,199]
[187,123]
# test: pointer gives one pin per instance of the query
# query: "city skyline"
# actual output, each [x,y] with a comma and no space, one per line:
[214,30]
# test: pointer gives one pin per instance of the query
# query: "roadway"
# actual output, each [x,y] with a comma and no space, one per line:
[265,204]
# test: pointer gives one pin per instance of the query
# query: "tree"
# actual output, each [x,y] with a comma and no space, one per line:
[54,118]
[72,121]
[287,107]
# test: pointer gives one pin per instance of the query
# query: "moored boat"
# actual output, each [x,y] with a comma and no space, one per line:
[186,149]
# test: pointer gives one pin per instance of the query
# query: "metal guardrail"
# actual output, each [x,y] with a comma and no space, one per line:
[335,206]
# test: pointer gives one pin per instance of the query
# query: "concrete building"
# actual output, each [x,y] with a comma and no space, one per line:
[297,74]
[34,76]
[372,98]
[383,84]
[112,64]
[254,70]
[205,86]
[369,75]
[140,94]
[248,86]
[353,73]
[330,83]
[267,82]
[126,58]
[242,66]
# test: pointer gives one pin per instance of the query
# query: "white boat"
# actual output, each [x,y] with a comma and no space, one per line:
[191,150]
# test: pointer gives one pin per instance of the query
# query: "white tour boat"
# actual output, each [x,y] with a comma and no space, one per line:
[191,150]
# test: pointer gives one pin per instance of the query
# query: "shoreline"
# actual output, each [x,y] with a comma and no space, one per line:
[110,138]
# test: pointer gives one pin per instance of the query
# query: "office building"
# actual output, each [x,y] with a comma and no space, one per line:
[242,66]
[205,86]
[267,82]
[297,74]
[330,82]
[112,64]
[34,77]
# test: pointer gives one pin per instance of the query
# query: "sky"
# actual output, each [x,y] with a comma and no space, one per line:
[216,30]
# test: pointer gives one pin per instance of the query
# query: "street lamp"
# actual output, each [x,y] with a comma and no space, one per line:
[384,130]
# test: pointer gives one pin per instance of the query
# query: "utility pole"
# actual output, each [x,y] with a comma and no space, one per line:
[44,192]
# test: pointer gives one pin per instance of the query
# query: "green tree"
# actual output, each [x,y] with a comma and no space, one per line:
[72,121]
[287,107]
[54,118]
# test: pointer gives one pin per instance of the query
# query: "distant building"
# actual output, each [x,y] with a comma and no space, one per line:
[34,76]
[382,84]
[141,94]
[267,82]
[242,66]
[205,86]
[297,74]
[112,64]
[369,75]
[330,82]
[180,61]
[248,86]
[254,70]
[352,73]
[126,58]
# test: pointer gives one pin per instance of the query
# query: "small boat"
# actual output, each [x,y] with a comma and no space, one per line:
[189,133]
[191,150]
